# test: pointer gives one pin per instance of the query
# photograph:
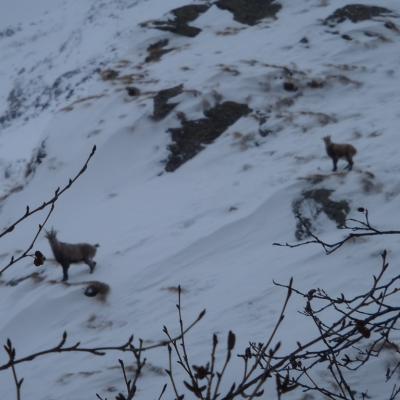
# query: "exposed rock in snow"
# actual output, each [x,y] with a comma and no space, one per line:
[180,23]
[250,12]
[190,138]
[356,13]
[157,50]
[308,207]
[162,107]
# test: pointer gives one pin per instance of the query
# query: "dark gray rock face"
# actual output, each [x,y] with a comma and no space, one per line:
[250,12]
[162,107]
[157,50]
[355,13]
[192,136]
[180,23]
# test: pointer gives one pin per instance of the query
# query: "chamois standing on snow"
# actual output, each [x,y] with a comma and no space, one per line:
[67,253]
[339,150]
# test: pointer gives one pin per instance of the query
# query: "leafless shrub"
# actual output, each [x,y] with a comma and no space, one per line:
[362,329]
[63,347]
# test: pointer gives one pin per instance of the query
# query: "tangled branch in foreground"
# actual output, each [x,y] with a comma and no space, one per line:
[360,228]
[362,329]
[61,347]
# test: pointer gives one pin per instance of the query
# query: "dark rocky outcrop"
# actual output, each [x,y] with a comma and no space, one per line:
[189,13]
[355,13]
[132,91]
[180,22]
[290,86]
[192,136]
[311,204]
[157,50]
[250,12]
[161,107]
[97,288]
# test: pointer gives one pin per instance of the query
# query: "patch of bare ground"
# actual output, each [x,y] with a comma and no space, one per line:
[115,77]
[230,69]
[244,141]
[229,31]
[98,323]
[147,368]
[71,376]
[70,107]
[303,121]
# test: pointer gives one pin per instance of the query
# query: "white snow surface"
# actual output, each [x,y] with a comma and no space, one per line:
[209,226]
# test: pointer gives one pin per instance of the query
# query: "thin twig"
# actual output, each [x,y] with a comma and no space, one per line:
[28,213]
[98,351]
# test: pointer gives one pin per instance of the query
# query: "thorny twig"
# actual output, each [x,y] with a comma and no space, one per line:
[10,350]
[130,384]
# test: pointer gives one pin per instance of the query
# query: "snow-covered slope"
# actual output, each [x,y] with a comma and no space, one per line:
[209,225]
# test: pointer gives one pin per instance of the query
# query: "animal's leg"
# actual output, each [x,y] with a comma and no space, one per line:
[65,272]
[350,163]
[335,160]
[91,264]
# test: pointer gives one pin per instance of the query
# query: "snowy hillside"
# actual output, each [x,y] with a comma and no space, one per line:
[208,125]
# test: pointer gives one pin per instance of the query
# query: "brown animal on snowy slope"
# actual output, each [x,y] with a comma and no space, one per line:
[339,150]
[67,253]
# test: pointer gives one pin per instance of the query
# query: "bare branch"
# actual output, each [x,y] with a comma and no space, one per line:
[359,230]
[51,202]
